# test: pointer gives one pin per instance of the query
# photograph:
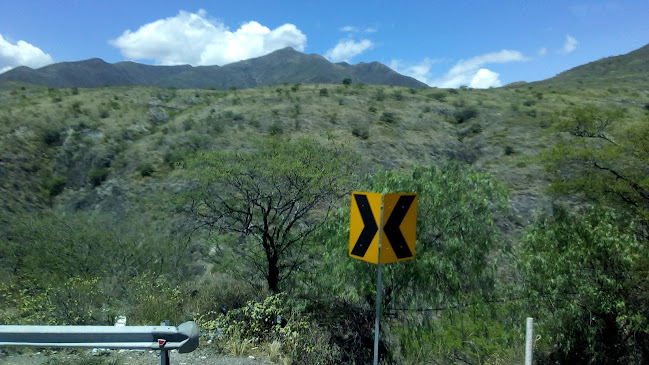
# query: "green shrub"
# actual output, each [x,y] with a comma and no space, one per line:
[276,129]
[388,117]
[275,323]
[174,158]
[98,176]
[55,185]
[146,169]
[154,299]
[439,96]
[361,132]
[52,136]
[464,114]
[380,95]
[324,92]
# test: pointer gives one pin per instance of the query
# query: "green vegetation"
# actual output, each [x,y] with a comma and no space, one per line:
[267,201]
[232,208]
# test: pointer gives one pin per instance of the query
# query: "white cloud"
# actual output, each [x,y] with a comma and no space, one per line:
[355,29]
[189,38]
[542,52]
[570,44]
[349,29]
[420,71]
[21,54]
[345,50]
[471,73]
[484,79]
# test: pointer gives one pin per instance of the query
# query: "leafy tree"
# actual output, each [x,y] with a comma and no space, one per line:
[587,274]
[269,201]
[600,160]
[454,265]
[347,81]
[456,232]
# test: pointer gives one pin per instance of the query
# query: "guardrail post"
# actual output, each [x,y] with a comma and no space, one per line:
[164,353]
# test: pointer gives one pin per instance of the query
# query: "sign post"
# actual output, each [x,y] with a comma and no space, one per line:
[396,224]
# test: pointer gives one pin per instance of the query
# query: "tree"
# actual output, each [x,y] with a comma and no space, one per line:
[455,262]
[585,275]
[347,81]
[267,202]
[602,157]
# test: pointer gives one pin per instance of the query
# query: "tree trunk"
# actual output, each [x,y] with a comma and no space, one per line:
[273,274]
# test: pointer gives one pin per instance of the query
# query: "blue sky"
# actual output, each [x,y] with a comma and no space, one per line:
[443,43]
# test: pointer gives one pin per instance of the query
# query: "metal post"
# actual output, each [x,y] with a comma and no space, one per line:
[164,353]
[529,340]
[379,280]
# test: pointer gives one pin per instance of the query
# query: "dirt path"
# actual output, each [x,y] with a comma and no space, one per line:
[135,357]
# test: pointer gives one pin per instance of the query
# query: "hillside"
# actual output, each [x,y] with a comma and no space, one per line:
[610,72]
[277,68]
[108,207]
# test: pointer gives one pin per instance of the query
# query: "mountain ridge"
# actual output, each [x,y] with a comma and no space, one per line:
[282,66]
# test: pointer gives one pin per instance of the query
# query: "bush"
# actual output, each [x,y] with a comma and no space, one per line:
[55,185]
[439,96]
[388,117]
[146,169]
[324,92]
[465,114]
[275,324]
[52,136]
[276,129]
[361,132]
[98,176]
[380,95]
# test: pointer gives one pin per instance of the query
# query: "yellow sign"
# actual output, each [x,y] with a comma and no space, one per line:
[397,214]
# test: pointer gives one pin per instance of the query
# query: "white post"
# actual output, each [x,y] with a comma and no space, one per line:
[529,341]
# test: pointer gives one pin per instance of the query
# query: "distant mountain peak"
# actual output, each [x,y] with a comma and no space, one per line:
[285,65]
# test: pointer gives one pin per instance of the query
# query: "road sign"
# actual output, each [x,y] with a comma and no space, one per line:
[397,214]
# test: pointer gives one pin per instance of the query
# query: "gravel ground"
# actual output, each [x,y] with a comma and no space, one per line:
[128,357]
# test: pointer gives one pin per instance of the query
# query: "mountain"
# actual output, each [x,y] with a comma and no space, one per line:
[632,67]
[279,67]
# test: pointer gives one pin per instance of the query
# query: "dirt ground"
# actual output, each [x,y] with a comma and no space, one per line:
[125,357]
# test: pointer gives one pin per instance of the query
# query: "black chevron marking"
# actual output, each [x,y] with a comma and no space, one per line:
[392,230]
[370,229]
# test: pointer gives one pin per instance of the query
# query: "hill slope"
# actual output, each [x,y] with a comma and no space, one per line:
[279,67]
[632,67]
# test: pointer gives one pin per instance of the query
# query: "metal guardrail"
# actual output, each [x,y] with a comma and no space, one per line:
[162,338]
